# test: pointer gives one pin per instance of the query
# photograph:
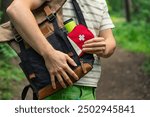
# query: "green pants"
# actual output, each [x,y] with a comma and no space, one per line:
[74,93]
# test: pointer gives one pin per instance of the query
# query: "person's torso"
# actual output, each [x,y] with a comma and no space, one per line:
[93,12]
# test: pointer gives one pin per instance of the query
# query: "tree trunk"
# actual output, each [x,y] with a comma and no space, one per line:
[128,10]
[0,4]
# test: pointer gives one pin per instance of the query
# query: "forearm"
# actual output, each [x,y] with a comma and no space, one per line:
[27,27]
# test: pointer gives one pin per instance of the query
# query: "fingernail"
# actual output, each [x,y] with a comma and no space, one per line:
[71,84]
[75,64]
[77,78]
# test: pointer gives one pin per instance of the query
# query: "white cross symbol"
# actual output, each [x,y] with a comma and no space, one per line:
[81,37]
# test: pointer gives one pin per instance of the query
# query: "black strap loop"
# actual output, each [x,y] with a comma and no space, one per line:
[25,91]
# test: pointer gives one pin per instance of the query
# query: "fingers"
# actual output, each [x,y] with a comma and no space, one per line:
[71,73]
[67,79]
[71,61]
[59,68]
[97,44]
[98,39]
[60,80]
[94,49]
[62,75]
[53,81]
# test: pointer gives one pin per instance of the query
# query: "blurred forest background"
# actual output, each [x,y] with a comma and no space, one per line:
[132,32]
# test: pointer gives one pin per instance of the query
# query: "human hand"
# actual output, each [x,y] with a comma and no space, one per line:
[57,65]
[95,46]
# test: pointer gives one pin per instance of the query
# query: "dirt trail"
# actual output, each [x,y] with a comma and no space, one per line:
[122,77]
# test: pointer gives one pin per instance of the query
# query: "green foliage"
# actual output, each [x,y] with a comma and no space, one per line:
[6,51]
[109,6]
[115,5]
[133,36]
[0,11]
[9,73]
[1,15]
[141,10]
[5,89]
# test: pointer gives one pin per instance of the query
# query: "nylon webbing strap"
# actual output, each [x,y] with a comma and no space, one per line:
[25,91]
[79,13]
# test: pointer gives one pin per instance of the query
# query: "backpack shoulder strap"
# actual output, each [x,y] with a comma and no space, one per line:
[54,7]
[79,13]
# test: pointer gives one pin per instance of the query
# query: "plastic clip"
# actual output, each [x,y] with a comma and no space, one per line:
[51,17]
[18,38]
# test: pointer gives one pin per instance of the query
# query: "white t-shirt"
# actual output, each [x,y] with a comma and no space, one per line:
[97,18]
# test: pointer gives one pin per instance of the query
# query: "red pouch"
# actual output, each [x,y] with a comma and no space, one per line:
[78,36]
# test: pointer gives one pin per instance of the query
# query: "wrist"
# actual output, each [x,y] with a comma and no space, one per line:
[46,51]
[110,48]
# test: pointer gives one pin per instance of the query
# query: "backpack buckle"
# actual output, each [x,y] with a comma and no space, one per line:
[18,38]
[51,17]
